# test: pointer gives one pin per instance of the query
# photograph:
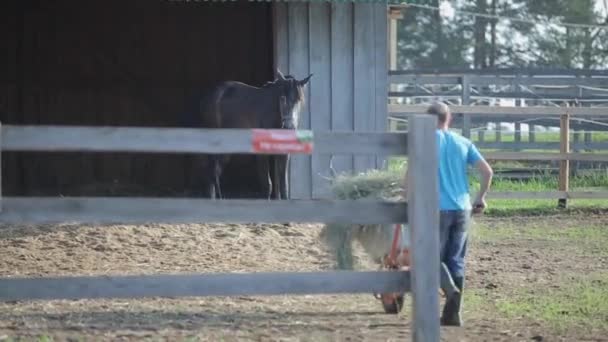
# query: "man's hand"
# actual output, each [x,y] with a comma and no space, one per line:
[486,178]
[479,205]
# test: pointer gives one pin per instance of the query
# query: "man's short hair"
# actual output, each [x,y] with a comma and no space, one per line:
[439,109]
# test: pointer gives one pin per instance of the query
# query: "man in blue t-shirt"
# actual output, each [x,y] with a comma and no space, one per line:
[456,153]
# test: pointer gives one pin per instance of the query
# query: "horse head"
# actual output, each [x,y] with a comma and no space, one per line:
[291,97]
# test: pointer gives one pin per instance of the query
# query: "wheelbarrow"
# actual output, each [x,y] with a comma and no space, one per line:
[397,259]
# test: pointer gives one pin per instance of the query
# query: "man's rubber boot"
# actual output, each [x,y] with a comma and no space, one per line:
[447,283]
[451,310]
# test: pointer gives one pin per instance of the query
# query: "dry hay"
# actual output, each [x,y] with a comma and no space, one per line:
[375,240]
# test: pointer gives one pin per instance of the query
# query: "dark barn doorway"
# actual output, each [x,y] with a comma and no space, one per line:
[127,63]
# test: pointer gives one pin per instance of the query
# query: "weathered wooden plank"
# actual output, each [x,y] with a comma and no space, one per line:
[320,87]
[423,211]
[564,165]
[384,144]
[545,94]
[0,167]
[547,194]
[422,79]
[281,41]
[176,210]
[531,133]
[545,156]
[501,71]
[589,144]
[496,110]
[504,81]
[180,140]
[364,82]
[342,76]
[299,67]
[466,100]
[538,145]
[381,65]
[199,285]
[517,133]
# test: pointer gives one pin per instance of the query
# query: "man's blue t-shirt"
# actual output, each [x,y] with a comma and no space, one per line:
[455,154]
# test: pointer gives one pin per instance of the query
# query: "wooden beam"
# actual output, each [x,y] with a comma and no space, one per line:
[564,165]
[513,81]
[182,140]
[0,167]
[547,194]
[219,284]
[423,201]
[499,110]
[466,100]
[559,72]
[180,210]
[522,156]
[537,145]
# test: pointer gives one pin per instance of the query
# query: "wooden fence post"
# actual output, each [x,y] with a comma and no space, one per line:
[564,165]
[466,99]
[0,167]
[423,214]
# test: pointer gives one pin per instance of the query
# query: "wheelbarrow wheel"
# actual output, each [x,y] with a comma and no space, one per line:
[392,305]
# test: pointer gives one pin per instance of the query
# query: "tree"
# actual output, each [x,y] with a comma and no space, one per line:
[427,40]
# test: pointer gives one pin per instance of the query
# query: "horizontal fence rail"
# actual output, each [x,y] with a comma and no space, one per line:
[144,210]
[545,156]
[552,72]
[502,110]
[183,140]
[500,80]
[180,210]
[220,284]
[547,194]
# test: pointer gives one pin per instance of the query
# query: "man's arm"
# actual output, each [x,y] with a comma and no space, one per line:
[476,159]
[486,176]
[486,179]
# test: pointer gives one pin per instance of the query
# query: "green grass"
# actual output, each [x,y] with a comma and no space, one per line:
[580,303]
[540,136]
[585,238]
[542,182]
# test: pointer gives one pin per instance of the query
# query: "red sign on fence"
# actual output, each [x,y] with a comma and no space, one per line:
[282,141]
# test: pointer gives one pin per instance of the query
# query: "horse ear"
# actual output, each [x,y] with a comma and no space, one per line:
[304,81]
[280,74]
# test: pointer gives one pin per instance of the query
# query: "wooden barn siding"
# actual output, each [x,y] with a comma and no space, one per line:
[345,46]
[118,63]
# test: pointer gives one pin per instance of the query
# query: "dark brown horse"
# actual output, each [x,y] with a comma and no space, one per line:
[275,105]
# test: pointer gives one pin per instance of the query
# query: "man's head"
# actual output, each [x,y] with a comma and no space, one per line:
[442,112]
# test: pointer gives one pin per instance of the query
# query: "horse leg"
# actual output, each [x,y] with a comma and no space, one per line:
[275,176]
[218,162]
[263,172]
[281,176]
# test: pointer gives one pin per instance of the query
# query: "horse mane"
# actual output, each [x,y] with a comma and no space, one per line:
[271,83]
[301,97]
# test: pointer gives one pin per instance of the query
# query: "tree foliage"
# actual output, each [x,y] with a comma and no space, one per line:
[428,40]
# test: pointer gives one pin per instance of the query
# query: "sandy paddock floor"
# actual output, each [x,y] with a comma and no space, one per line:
[127,249]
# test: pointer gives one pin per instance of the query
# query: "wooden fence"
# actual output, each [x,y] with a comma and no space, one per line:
[564,156]
[420,211]
[530,86]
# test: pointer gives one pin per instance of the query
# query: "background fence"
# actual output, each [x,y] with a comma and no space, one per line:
[483,101]
[420,211]
[563,157]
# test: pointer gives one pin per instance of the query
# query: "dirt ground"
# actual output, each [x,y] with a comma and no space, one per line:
[495,269]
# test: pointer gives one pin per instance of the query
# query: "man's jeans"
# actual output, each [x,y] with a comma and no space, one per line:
[453,237]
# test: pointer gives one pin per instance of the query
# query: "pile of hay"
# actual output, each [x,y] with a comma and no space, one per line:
[375,240]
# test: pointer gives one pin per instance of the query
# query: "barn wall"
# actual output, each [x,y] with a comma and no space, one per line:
[345,46]
[112,62]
